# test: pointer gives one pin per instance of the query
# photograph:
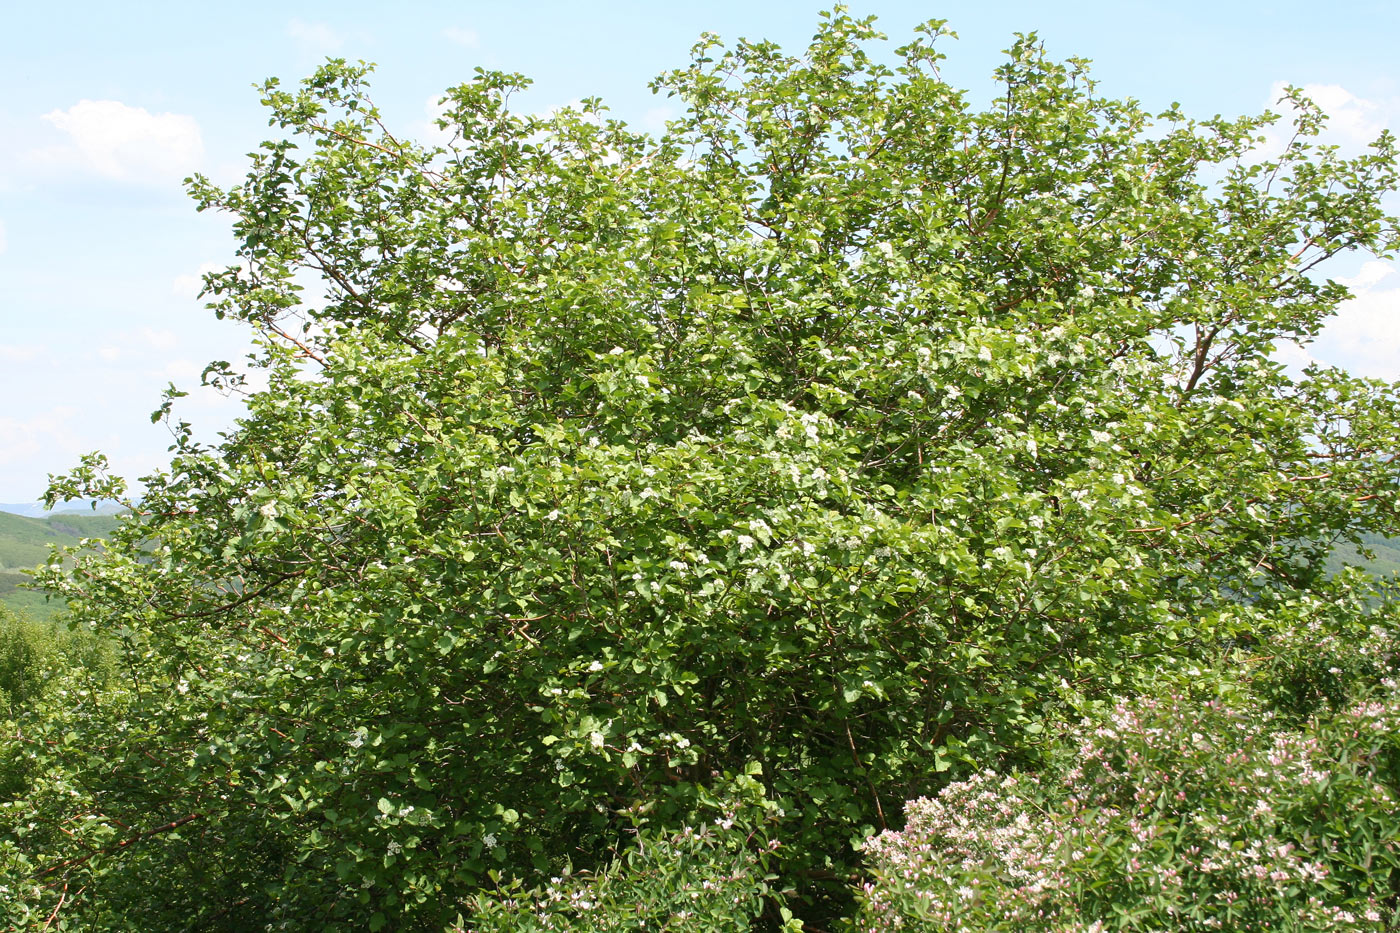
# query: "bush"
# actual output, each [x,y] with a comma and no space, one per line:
[25,650]
[1172,814]
[705,880]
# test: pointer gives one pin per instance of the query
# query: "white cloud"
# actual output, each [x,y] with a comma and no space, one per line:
[182,372]
[189,286]
[23,439]
[159,339]
[1371,274]
[127,143]
[315,37]
[466,38]
[1294,357]
[1364,337]
[138,347]
[1353,122]
[17,354]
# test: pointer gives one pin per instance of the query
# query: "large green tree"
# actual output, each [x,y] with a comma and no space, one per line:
[828,445]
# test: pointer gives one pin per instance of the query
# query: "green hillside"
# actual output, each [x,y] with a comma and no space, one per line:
[24,543]
[1386,562]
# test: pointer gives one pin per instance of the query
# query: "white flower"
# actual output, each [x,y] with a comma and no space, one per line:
[596,738]
[595,667]
[268,510]
[745,542]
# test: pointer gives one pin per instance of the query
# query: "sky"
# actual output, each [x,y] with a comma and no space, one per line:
[107,107]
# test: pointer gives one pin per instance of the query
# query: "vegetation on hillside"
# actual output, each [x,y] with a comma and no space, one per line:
[25,544]
[640,521]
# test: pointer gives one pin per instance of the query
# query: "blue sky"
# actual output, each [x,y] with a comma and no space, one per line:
[107,106]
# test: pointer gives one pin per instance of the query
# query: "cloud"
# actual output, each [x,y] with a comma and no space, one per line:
[467,38]
[21,439]
[190,285]
[1353,122]
[1364,337]
[159,339]
[1294,357]
[10,353]
[149,343]
[127,143]
[315,37]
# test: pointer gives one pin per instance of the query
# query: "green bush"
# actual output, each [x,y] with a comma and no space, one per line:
[705,880]
[25,651]
[842,437]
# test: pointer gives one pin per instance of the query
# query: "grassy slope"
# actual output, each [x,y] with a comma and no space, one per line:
[24,543]
[1386,563]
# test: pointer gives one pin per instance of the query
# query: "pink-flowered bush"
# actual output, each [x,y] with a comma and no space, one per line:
[1173,815]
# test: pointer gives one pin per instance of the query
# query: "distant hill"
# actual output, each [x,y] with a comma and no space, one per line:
[1385,564]
[37,510]
[24,544]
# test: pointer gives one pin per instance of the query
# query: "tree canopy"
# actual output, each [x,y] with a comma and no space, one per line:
[843,440]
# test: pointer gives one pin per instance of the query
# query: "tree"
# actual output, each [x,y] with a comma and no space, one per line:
[839,441]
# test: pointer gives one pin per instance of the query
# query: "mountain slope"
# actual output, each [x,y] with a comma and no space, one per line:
[24,543]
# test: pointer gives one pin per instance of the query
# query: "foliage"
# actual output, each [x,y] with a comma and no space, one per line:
[31,655]
[48,675]
[841,438]
[25,649]
[700,880]
[1177,812]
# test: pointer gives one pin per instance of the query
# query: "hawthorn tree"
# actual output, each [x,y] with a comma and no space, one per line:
[840,440]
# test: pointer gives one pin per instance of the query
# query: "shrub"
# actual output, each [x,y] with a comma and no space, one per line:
[1172,814]
[705,880]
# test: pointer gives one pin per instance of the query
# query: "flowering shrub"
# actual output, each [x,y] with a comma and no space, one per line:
[1172,815]
[706,880]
